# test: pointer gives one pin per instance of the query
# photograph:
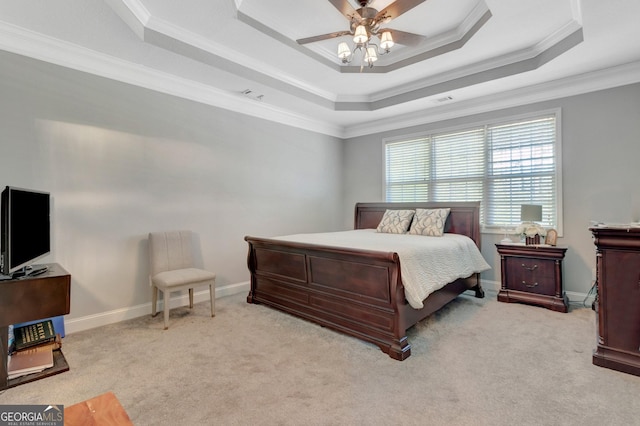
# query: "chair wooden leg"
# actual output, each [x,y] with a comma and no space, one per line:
[154,300]
[167,297]
[212,297]
[191,298]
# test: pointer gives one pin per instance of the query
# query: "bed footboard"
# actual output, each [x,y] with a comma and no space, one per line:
[352,291]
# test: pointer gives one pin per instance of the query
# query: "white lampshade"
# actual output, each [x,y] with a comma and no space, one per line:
[343,51]
[530,213]
[386,41]
[371,56]
[361,35]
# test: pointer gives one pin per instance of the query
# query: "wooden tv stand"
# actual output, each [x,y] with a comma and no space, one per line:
[32,298]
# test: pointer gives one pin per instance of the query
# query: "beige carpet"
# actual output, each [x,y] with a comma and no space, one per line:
[476,362]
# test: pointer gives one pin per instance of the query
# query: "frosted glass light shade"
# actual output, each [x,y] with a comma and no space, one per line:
[386,41]
[361,35]
[343,51]
[371,56]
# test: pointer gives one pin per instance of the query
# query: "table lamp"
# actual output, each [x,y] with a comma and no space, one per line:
[529,215]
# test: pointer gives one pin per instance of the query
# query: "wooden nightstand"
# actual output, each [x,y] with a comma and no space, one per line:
[532,275]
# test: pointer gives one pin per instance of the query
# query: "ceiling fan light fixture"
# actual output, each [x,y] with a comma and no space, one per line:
[370,56]
[344,52]
[386,41]
[364,25]
[360,36]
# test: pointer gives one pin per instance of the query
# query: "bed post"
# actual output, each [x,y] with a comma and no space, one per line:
[400,349]
[251,263]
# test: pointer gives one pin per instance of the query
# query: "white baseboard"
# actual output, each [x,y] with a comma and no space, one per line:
[111,317]
[575,298]
[117,315]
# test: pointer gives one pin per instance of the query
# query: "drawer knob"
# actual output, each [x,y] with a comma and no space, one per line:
[529,285]
[530,268]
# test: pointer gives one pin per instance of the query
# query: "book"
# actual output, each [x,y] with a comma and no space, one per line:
[54,345]
[34,334]
[29,361]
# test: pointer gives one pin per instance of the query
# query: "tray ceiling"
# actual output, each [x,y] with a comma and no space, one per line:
[242,54]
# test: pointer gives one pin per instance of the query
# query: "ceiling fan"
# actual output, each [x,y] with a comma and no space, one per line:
[367,22]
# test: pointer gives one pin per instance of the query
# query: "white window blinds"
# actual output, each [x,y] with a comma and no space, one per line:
[503,165]
[522,170]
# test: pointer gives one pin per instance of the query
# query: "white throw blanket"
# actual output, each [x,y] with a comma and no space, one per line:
[426,263]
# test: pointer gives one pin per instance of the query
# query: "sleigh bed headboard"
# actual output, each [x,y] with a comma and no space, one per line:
[464,217]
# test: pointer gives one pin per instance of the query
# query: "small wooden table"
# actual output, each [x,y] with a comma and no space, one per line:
[533,275]
[103,410]
[31,298]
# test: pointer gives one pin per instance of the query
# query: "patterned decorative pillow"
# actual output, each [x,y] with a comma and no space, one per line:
[429,222]
[395,221]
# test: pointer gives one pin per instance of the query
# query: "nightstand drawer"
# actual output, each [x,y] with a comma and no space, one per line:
[531,275]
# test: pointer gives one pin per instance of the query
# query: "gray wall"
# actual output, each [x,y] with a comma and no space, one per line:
[120,161]
[601,148]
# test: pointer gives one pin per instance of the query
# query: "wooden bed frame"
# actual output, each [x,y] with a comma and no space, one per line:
[357,292]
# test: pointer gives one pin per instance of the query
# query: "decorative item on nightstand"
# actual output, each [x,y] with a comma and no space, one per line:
[505,230]
[529,229]
[552,237]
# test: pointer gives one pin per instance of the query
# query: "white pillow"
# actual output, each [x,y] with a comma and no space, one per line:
[429,222]
[395,221]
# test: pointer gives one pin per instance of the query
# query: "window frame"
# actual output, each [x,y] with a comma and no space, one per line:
[503,120]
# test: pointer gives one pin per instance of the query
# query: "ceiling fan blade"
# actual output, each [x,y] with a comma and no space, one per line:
[396,9]
[322,37]
[346,9]
[404,38]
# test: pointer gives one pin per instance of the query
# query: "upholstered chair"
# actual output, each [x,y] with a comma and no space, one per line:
[171,268]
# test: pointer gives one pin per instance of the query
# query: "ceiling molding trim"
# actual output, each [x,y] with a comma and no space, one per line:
[571,86]
[165,35]
[493,63]
[230,60]
[475,74]
[132,13]
[166,42]
[137,8]
[329,61]
[233,61]
[562,33]
[576,10]
[44,48]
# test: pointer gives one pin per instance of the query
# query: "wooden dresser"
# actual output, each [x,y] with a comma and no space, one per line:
[618,298]
[533,275]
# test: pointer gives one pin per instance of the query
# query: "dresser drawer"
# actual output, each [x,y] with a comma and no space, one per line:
[531,275]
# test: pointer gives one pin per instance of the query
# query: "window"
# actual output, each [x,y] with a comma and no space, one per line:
[502,164]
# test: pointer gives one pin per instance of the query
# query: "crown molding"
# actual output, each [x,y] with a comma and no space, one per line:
[31,44]
[142,23]
[602,79]
[45,48]
[133,14]
[164,35]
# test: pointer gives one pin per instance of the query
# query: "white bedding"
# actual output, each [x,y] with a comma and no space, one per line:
[426,263]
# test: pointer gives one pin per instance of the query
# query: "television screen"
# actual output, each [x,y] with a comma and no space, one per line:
[26,229]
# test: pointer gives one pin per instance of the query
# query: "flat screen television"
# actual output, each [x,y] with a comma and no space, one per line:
[25,231]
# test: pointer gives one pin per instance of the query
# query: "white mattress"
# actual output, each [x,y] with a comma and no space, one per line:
[426,263]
